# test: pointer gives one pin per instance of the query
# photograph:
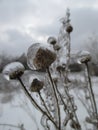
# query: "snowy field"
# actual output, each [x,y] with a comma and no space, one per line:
[20,111]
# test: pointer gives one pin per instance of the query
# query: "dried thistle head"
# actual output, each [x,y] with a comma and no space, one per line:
[56,47]
[75,125]
[52,40]
[84,57]
[14,70]
[69,28]
[36,85]
[60,68]
[44,58]
[15,74]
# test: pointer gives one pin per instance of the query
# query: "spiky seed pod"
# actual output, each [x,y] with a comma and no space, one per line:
[69,29]
[36,85]
[44,58]
[56,47]
[52,40]
[74,125]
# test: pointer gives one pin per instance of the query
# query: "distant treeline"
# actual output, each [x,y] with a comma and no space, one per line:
[74,66]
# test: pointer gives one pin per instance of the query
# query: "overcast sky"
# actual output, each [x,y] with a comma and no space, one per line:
[22,22]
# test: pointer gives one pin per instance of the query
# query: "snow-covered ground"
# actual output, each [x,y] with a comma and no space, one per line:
[20,111]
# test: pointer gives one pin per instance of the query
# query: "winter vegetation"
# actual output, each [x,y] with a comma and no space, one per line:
[54,87]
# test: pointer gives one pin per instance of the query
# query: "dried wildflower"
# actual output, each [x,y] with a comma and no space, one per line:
[14,70]
[36,85]
[84,57]
[15,74]
[60,68]
[44,58]
[69,29]
[52,40]
[55,80]
[88,119]
[56,47]
[74,124]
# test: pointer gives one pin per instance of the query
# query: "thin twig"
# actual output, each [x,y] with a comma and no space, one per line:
[45,104]
[91,91]
[72,107]
[34,102]
[53,86]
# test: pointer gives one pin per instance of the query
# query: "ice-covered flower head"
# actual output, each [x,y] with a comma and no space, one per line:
[39,56]
[52,40]
[14,70]
[36,85]
[84,57]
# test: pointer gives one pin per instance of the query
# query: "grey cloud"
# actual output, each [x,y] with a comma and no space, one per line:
[51,29]
[48,13]
[13,10]
[17,42]
[84,22]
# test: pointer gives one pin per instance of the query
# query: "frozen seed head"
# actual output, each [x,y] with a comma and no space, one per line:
[56,47]
[44,58]
[52,40]
[36,85]
[84,57]
[69,28]
[15,74]
[75,125]
[60,68]
[88,119]
[14,70]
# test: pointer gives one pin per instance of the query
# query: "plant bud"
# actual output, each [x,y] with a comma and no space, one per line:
[69,29]
[60,68]
[74,125]
[36,85]
[84,57]
[56,47]
[52,40]
[14,70]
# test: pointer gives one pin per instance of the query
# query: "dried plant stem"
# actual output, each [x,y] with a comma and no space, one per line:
[45,105]
[68,49]
[54,90]
[65,106]
[34,102]
[93,102]
[72,107]
[61,97]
